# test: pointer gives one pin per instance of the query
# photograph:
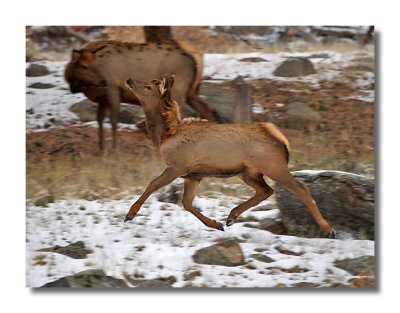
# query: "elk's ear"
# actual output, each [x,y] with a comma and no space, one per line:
[75,56]
[170,81]
[162,87]
[87,57]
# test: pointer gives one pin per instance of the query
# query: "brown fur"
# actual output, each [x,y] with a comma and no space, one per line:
[200,149]
[100,69]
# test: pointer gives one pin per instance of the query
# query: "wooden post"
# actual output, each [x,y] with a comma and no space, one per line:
[242,107]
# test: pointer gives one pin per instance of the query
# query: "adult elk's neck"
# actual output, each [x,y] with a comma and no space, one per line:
[163,122]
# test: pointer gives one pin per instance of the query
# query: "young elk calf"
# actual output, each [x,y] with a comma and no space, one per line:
[196,149]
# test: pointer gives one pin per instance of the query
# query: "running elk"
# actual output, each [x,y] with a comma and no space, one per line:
[196,149]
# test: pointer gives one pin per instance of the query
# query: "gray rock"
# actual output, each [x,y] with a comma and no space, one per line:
[221,100]
[344,199]
[75,250]
[89,278]
[41,86]
[253,60]
[226,253]
[301,116]
[362,266]
[171,193]
[295,67]
[155,283]
[36,70]
[87,111]
[262,258]
[272,226]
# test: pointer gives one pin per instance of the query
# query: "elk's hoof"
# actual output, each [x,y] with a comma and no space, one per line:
[332,235]
[128,218]
[220,227]
[229,222]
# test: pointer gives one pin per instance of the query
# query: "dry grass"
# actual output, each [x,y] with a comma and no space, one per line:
[94,177]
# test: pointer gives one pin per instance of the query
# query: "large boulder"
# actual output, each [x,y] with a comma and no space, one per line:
[226,253]
[302,117]
[346,200]
[89,278]
[295,67]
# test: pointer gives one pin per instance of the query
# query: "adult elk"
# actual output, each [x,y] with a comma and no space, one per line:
[196,149]
[100,69]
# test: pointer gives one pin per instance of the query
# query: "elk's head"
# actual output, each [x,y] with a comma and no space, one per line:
[81,72]
[152,94]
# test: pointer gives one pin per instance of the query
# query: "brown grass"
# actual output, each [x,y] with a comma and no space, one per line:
[93,177]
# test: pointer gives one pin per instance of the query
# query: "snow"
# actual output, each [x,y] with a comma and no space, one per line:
[162,238]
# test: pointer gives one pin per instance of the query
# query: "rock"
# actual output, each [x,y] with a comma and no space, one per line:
[294,67]
[155,283]
[361,266]
[253,60]
[87,111]
[262,258]
[346,200]
[90,278]
[36,70]
[75,250]
[220,100]
[171,193]
[301,116]
[272,226]
[305,285]
[41,86]
[226,253]
[44,200]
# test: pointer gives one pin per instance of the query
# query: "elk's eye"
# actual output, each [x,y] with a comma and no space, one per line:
[148,88]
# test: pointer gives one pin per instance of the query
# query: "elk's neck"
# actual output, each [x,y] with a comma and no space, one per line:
[163,122]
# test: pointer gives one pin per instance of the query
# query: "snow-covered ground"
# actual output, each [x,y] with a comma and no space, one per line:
[162,239]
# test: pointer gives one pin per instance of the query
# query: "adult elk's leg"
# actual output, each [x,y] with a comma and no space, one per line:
[101,112]
[190,188]
[301,191]
[165,178]
[263,191]
[114,101]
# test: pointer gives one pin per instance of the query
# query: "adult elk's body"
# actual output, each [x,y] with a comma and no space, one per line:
[100,69]
[196,149]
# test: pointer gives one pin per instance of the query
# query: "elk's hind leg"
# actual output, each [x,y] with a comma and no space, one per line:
[301,191]
[190,188]
[263,191]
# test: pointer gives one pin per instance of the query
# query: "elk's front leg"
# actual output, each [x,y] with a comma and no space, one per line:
[165,178]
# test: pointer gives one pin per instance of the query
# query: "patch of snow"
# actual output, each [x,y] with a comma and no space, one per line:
[162,238]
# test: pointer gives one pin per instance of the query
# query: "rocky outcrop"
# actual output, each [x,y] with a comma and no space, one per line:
[226,253]
[345,200]
[89,278]
[294,67]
